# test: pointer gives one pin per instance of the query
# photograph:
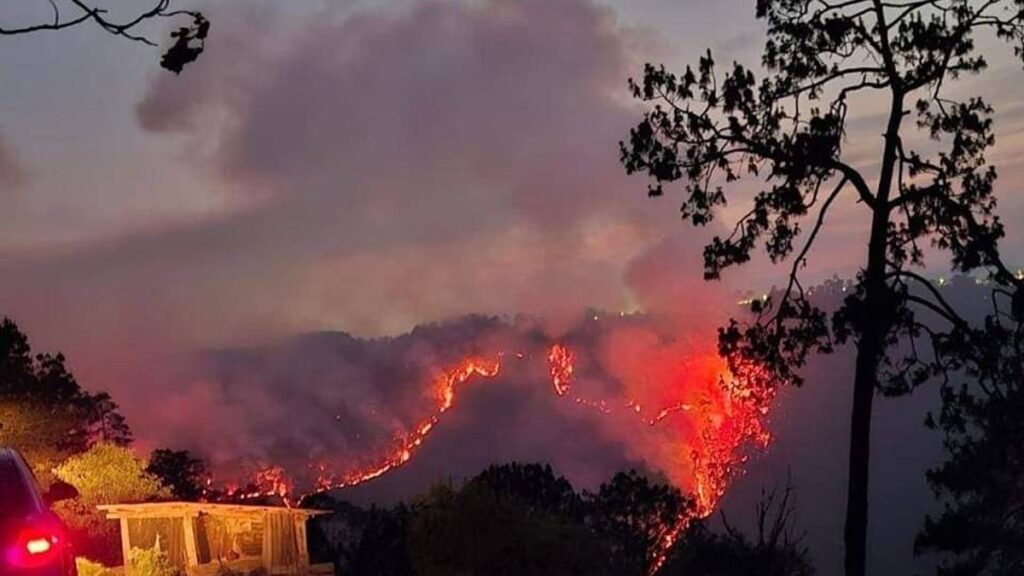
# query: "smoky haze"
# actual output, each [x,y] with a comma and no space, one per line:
[397,188]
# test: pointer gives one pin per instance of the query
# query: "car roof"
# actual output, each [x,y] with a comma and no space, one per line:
[11,455]
[14,466]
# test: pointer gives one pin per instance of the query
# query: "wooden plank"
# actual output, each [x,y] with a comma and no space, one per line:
[300,541]
[268,544]
[175,509]
[126,547]
[191,556]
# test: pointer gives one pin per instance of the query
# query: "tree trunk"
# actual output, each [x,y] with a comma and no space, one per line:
[874,327]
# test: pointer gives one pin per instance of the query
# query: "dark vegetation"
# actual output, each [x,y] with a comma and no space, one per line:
[516,519]
[81,437]
[709,127]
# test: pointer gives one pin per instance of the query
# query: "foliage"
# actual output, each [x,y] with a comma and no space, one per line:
[710,128]
[87,567]
[183,474]
[982,522]
[105,474]
[479,530]
[108,474]
[44,412]
[524,519]
[152,562]
[534,487]
[775,551]
[629,514]
[187,43]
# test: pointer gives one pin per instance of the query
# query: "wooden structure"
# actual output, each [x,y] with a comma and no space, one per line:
[201,538]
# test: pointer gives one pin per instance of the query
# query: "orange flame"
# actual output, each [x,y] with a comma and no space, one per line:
[446,385]
[729,413]
[561,361]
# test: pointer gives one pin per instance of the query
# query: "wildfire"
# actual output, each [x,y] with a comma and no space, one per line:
[728,412]
[561,361]
[446,385]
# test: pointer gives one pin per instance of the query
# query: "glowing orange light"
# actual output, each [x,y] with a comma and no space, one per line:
[561,361]
[725,411]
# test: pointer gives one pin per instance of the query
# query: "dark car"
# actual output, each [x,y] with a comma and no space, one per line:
[32,538]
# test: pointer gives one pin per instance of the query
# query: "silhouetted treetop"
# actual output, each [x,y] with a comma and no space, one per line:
[188,40]
[708,127]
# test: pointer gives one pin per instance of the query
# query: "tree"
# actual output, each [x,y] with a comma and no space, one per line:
[776,549]
[188,41]
[630,514]
[786,132]
[981,527]
[43,410]
[107,423]
[482,530]
[533,486]
[105,474]
[183,474]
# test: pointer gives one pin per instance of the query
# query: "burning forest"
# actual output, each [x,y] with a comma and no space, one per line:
[666,396]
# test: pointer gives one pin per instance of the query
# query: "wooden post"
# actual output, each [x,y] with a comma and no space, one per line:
[300,541]
[268,544]
[191,557]
[126,547]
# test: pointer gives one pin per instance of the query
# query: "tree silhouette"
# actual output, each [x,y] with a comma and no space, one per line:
[982,521]
[508,527]
[533,486]
[709,129]
[630,513]
[188,41]
[774,550]
[180,472]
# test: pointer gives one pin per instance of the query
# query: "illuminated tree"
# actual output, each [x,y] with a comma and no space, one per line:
[710,128]
[188,41]
[43,410]
[105,474]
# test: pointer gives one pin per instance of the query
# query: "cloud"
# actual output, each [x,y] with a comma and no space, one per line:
[390,168]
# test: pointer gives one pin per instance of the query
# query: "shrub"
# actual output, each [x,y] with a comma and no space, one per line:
[152,562]
[87,567]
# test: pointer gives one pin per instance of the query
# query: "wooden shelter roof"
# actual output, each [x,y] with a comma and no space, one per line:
[178,509]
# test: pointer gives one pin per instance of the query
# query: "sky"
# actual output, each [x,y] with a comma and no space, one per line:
[368,167]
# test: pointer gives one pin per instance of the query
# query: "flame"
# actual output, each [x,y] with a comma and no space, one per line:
[728,410]
[729,413]
[446,386]
[561,361]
